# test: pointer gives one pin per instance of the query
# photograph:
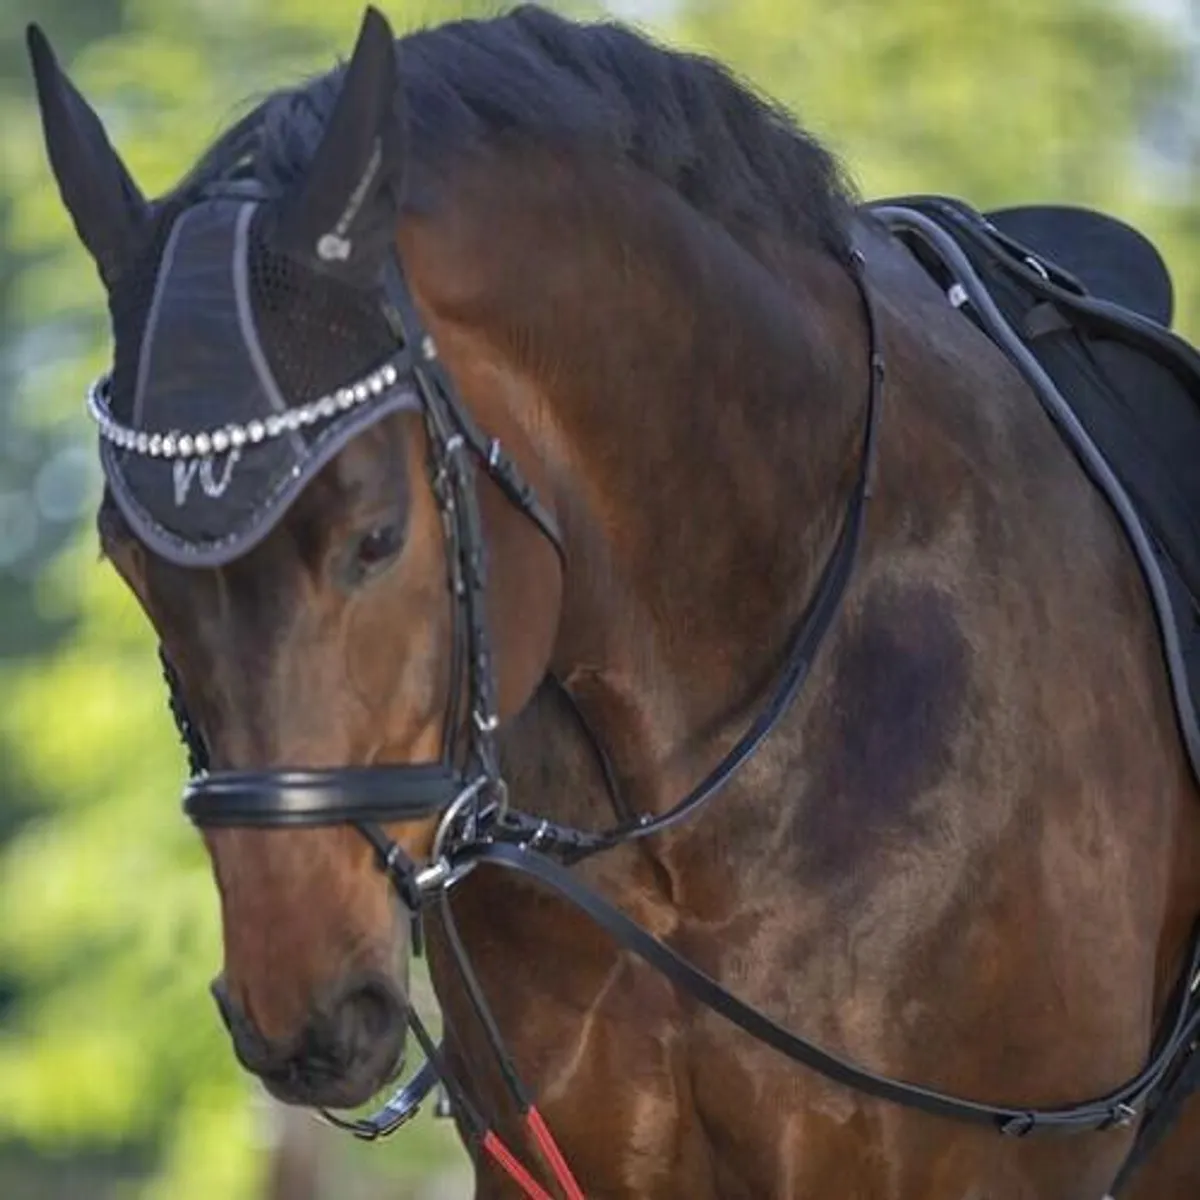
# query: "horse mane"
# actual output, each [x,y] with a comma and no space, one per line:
[533,77]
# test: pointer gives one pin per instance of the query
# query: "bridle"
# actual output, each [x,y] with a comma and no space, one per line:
[477,825]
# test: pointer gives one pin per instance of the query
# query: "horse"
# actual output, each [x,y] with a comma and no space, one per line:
[489,419]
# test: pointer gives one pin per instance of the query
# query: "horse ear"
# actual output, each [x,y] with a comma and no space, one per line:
[99,193]
[343,218]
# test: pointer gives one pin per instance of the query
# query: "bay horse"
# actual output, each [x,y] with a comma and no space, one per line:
[489,419]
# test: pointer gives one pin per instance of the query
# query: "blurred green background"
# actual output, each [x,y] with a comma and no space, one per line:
[115,1077]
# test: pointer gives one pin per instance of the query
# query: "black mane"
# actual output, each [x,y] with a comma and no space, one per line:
[531,75]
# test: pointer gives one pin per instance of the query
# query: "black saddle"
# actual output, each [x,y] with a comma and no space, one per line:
[1112,260]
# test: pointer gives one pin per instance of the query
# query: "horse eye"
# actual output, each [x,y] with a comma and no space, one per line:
[374,550]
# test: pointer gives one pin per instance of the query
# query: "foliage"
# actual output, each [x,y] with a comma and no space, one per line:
[999,102]
[107,910]
[108,916]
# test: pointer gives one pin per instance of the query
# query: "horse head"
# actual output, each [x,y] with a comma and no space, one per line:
[268,503]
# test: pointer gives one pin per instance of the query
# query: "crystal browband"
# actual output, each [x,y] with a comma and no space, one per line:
[228,437]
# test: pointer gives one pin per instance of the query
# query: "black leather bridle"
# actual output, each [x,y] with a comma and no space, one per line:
[478,826]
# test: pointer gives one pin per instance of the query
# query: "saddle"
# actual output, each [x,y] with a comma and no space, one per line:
[1082,305]
[1099,254]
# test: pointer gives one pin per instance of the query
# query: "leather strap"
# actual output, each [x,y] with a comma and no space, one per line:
[1117,1108]
[573,845]
[326,797]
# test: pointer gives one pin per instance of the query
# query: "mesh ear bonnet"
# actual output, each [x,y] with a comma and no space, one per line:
[238,373]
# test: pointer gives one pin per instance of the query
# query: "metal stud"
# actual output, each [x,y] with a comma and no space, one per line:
[206,442]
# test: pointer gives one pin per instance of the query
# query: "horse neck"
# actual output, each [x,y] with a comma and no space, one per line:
[702,430]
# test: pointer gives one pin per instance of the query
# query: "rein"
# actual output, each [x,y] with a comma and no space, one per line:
[477,827]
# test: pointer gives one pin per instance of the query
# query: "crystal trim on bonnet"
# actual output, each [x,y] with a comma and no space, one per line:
[217,441]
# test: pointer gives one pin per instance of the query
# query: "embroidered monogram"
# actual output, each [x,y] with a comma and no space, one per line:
[211,483]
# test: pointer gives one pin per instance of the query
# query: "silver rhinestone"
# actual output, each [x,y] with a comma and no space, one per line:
[142,443]
[291,419]
[220,441]
[274,425]
[186,445]
[168,446]
[389,374]
[360,392]
[306,415]
[156,445]
[237,435]
[255,431]
[375,383]
[344,397]
[203,444]
[326,406]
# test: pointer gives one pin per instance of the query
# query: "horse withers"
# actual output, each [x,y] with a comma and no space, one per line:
[526,453]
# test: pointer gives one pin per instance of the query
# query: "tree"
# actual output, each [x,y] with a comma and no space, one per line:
[998,101]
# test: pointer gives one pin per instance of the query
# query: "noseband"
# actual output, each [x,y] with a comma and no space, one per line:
[476,824]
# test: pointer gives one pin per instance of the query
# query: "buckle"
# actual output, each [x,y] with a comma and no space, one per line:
[1120,1116]
[1019,1126]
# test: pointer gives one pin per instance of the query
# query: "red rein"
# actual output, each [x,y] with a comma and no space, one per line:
[516,1171]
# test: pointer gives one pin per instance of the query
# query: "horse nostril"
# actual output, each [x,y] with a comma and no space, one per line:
[367,1018]
[351,1045]
[254,1052]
